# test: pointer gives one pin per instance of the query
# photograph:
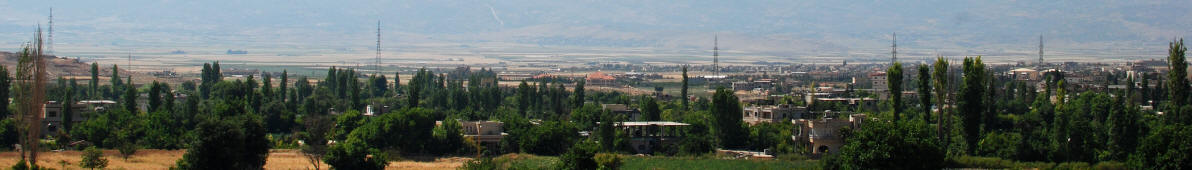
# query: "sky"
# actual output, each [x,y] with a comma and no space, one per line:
[777,27]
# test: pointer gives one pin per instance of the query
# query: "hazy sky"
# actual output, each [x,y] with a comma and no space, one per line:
[779,26]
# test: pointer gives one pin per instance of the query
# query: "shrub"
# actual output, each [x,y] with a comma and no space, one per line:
[608,161]
[483,163]
[579,156]
[93,158]
[881,144]
[127,150]
[355,154]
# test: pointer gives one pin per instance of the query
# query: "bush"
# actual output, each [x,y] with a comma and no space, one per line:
[483,163]
[1110,165]
[881,144]
[548,138]
[93,158]
[355,154]
[608,161]
[998,163]
[127,150]
[238,143]
[579,156]
[999,144]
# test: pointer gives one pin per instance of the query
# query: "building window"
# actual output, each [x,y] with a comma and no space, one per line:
[52,114]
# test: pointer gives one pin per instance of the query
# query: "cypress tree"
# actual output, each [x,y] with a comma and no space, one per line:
[116,83]
[267,86]
[683,91]
[281,86]
[579,94]
[130,100]
[894,81]
[154,96]
[5,86]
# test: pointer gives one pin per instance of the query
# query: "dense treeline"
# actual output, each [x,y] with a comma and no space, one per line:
[1007,119]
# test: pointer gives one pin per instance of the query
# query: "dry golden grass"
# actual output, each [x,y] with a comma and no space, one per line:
[143,159]
[163,159]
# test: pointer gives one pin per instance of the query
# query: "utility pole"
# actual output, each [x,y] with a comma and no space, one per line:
[894,50]
[50,40]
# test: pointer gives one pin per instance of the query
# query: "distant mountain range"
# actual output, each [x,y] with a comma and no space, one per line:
[764,27]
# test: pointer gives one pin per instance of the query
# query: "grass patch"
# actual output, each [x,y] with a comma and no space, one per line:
[679,163]
[525,161]
[998,163]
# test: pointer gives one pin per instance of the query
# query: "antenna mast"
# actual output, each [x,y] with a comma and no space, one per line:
[1040,64]
[716,55]
[377,66]
[894,50]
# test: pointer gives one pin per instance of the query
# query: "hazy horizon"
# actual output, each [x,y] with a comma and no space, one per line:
[1004,30]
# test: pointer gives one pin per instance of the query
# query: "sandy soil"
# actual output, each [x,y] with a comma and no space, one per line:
[163,159]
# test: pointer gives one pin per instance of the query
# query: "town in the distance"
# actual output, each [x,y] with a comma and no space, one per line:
[239,108]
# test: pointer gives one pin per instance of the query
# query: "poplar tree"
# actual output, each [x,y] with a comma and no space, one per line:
[925,91]
[1178,80]
[94,82]
[971,103]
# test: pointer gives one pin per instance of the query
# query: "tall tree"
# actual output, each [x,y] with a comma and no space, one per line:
[650,109]
[1178,80]
[5,86]
[971,101]
[894,81]
[683,91]
[415,89]
[380,85]
[30,95]
[397,81]
[154,96]
[94,82]
[331,80]
[316,130]
[130,99]
[579,94]
[302,89]
[925,91]
[524,97]
[116,83]
[206,81]
[356,102]
[940,82]
[726,109]
[216,72]
[267,86]
[281,86]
